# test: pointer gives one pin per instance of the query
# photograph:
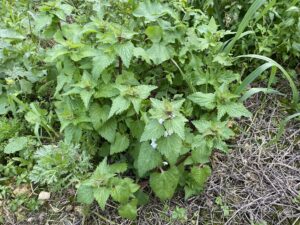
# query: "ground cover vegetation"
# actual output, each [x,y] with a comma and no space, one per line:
[122,100]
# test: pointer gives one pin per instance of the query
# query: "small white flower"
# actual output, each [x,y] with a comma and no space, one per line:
[161,121]
[166,134]
[172,116]
[153,143]
[170,132]
[165,163]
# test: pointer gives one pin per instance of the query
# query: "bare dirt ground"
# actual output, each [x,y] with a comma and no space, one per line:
[258,183]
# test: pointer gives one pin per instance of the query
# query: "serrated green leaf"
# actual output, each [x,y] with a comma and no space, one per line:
[129,210]
[125,51]
[142,197]
[98,114]
[207,100]
[153,130]
[200,175]
[86,97]
[196,180]
[119,105]
[150,10]
[16,144]
[236,110]
[176,125]
[148,159]
[201,154]
[101,62]
[120,144]
[144,90]
[101,195]
[107,91]
[158,53]
[85,194]
[140,52]
[164,184]
[56,52]
[170,147]
[108,130]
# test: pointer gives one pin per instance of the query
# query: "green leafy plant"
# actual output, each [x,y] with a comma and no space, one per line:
[105,182]
[155,90]
[120,97]
[179,214]
[57,166]
[223,206]
[144,86]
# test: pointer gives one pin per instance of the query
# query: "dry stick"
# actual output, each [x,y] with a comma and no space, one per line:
[120,65]
[245,206]
[104,218]
[119,58]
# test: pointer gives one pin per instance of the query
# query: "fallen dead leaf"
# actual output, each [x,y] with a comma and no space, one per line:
[24,189]
[44,195]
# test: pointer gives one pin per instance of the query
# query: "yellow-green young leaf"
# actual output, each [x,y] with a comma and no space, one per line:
[164,184]
[170,147]
[118,167]
[120,144]
[148,159]
[119,105]
[101,195]
[153,130]
[123,190]
[16,144]
[154,33]
[129,210]
[207,100]
[85,194]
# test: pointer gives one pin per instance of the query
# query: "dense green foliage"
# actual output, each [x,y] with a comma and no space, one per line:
[110,96]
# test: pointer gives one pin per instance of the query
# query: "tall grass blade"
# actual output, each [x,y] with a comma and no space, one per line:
[249,15]
[254,91]
[295,96]
[282,126]
[252,76]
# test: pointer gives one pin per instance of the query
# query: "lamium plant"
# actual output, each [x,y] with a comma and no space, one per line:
[144,87]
